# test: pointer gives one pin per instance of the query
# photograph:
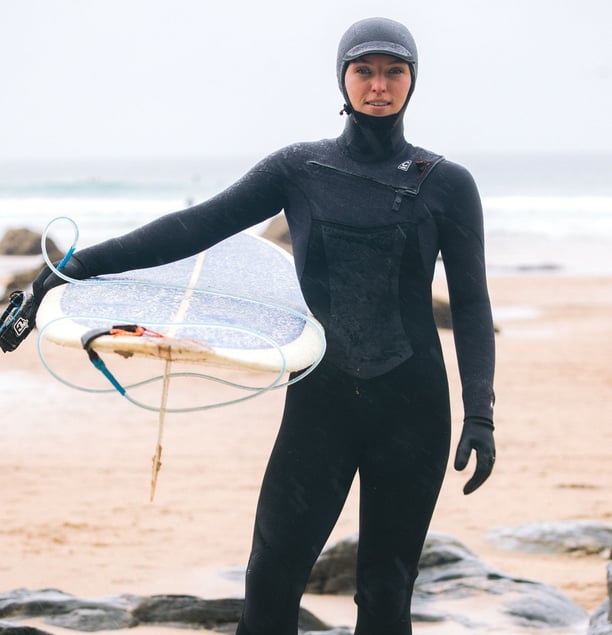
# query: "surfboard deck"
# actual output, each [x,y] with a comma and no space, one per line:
[236,304]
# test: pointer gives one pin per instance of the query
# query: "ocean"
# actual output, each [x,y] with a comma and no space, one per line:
[549,214]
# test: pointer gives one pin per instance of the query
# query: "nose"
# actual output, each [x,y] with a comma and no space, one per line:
[379,83]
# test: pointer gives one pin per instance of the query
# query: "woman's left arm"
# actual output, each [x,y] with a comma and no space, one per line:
[461,235]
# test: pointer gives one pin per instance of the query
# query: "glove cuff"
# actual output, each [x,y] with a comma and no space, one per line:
[480,421]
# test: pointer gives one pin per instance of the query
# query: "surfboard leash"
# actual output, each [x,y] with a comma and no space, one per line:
[87,340]
[18,305]
[133,330]
[137,330]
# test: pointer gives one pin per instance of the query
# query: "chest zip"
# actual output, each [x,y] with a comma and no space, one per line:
[400,195]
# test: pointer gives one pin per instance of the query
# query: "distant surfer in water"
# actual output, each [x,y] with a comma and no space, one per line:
[368,213]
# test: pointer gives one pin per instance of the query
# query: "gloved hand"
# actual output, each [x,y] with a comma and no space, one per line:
[477,434]
[19,319]
[47,279]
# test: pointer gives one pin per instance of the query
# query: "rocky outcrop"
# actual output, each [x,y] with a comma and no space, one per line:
[6,628]
[452,588]
[601,620]
[452,584]
[127,611]
[578,537]
[452,576]
[585,537]
[25,242]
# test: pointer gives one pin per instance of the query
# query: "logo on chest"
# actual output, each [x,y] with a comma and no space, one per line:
[405,165]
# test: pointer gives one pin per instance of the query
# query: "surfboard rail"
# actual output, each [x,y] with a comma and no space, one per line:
[236,305]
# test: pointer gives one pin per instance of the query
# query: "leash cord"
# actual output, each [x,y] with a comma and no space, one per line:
[125,390]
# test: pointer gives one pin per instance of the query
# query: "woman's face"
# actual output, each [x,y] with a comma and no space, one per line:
[378,84]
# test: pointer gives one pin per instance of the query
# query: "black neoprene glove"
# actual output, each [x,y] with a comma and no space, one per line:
[477,435]
[47,279]
[19,318]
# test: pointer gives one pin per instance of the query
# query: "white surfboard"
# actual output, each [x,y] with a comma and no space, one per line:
[237,304]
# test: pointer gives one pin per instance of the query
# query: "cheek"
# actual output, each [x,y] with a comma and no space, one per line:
[352,87]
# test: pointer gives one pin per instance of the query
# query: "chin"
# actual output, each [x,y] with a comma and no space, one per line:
[379,113]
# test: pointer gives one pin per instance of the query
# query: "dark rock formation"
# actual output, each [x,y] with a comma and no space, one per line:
[128,611]
[24,242]
[6,628]
[450,571]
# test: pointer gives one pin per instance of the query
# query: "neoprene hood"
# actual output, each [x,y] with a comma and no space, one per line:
[376,35]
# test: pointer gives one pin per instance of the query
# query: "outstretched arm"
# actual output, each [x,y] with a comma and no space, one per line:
[255,197]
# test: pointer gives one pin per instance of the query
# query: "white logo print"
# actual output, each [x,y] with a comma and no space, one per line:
[20,326]
[404,166]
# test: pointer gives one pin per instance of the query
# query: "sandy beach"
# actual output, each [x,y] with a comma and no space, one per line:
[75,466]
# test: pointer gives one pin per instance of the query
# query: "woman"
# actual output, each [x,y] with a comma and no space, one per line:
[368,215]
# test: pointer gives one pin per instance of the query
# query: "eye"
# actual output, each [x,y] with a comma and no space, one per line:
[397,70]
[362,70]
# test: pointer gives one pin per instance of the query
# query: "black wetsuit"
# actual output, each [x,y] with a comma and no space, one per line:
[367,224]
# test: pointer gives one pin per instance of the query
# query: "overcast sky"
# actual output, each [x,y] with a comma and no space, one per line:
[170,78]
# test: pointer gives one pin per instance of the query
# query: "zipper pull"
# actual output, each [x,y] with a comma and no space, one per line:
[400,193]
[397,203]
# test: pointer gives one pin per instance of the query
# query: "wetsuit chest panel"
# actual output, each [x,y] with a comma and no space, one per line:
[344,192]
[360,305]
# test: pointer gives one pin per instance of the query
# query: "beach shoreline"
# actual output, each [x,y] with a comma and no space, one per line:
[76,514]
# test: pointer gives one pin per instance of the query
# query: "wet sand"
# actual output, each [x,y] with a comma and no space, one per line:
[75,466]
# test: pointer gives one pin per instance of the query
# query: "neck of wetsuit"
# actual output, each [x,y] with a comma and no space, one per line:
[368,138]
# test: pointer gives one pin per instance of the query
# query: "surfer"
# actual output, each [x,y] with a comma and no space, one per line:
[368,213]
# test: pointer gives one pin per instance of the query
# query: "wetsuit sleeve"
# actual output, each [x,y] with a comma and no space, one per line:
[257,196]
[462,248]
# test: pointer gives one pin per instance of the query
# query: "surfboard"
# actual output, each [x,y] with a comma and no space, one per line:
[236,304]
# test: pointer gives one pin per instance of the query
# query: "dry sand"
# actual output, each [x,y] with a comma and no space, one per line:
[75,467]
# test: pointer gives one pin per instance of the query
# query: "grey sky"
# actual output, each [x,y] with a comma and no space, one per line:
[115,78]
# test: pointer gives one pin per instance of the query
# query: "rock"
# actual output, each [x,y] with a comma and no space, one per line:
[62,609]
[610,589]
[442,314]
[25,242]
[100,618]
[25,603]
[541,606]
[20,281]
[128,611]
[600,622]
[577,536]
[452,586]
[188,610]
[6,628]
[195,612]
[334,570]
[601,619]
[451,572]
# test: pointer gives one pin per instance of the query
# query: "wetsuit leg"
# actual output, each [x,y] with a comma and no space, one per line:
[306,483]
[400,474]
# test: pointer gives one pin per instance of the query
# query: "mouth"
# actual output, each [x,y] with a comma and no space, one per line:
[378,104]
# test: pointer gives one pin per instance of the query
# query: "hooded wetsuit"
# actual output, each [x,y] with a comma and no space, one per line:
[365,248]
[369,214]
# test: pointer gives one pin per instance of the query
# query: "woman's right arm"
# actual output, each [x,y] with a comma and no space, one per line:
[255,197]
